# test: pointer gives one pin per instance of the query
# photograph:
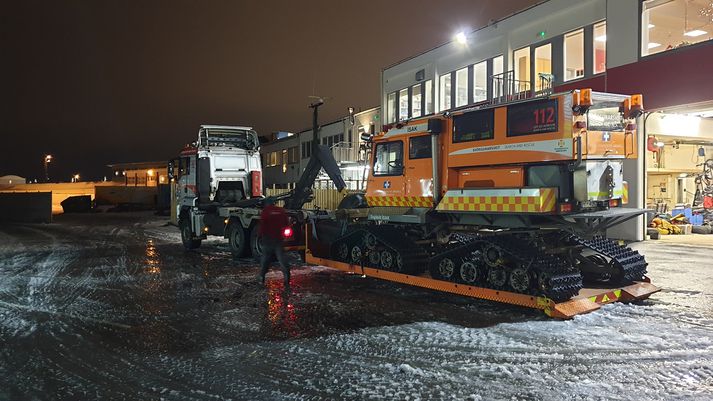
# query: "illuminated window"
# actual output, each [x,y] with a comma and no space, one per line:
[543,67]
[672,24]
[416,100]
[480,82]
[391,108]
[403,104]
[600,47]
[521,62]
[497,76]
[445,92]
[462,87]
[429,97]
[574,55]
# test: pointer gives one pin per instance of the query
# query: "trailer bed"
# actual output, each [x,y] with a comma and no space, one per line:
[588,299]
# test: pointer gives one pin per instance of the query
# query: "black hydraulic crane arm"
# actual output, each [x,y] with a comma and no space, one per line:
[321,158]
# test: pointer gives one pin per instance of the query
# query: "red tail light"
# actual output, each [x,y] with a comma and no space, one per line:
[613,202]
[287,232]
[565,207]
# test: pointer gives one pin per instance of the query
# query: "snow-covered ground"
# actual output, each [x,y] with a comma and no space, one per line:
[111,307]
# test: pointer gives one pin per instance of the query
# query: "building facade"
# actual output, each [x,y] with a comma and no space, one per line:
[139,174]
[284,159]
[659,48]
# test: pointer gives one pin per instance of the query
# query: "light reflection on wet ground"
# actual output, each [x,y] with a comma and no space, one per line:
[111,306]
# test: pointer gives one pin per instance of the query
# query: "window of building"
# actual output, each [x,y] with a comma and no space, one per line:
[391,108]
[306,149]
[498,78]
[419,147]
[429,97]
[543,67]
[480,82]
[474,126]
[521,65]
[416,100]
[672,24]
[293,155]
[574,55]
[388,158]
[600,47]
[403,104]
[462,87]
[273,159]
[445,92]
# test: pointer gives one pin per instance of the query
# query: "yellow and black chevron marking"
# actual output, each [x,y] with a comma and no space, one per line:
[543,203]
[408,201]
[606,298]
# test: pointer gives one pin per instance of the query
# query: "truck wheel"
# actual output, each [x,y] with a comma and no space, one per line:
[187,235]
[255,242]
[238,240]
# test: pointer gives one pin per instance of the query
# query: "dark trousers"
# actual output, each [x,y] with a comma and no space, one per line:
[271,249]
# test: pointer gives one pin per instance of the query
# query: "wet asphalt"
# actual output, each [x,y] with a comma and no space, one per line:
[110,306]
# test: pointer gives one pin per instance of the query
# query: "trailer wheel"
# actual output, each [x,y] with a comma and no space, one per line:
[238,240]
[189,242]
[255,242]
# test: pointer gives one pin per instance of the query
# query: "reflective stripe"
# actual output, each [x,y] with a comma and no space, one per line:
[625,193]
[606,298]
[408,201]
[528,200]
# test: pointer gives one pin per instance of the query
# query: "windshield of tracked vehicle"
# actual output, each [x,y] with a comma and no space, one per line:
[605,116]
[229,138]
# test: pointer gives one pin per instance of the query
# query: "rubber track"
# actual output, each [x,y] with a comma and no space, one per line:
[630,263]
[564,283]
[395,240]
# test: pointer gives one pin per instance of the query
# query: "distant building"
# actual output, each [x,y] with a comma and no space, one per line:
[284,159]
[140,174]
[12,180]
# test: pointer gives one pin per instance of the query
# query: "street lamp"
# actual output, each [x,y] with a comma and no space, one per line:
[47,161]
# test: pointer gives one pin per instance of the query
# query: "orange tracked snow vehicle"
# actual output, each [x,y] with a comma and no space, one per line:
[508,202]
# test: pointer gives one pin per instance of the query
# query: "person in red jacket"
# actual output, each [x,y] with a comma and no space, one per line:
[273,221]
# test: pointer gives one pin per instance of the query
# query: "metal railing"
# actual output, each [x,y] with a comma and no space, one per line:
[345,152]
[508,89]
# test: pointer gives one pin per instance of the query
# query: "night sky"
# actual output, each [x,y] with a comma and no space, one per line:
[97,82]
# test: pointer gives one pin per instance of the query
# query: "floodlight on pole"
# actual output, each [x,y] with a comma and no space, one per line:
[47,161]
